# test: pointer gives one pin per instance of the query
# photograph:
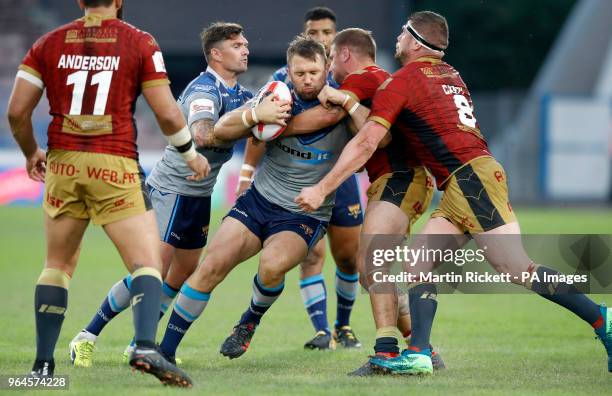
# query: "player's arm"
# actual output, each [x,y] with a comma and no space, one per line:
[314,119]
[174,128]
[354,156]
[237,123]
[156,90]
[387,104]
[329,113]
[203,133]
[350,105]
[347,101]
[231,126]
[24,98]
[253,153]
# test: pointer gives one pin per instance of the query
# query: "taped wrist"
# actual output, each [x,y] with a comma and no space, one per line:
[183,142]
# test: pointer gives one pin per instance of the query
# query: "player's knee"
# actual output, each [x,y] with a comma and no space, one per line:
[347,265]
[345,256]
[209,274]
[271,272]
[311,265]
[270,277]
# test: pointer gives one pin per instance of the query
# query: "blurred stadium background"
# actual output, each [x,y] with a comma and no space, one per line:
[540,73]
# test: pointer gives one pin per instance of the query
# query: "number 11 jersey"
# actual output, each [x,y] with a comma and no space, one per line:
[93,69]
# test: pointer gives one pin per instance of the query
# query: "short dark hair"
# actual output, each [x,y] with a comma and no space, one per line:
[432,26]
[359,40]
[306,48]
[318,13]
[217,32]
[97,3]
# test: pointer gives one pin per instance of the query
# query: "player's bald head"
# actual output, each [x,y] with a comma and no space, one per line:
[431,26]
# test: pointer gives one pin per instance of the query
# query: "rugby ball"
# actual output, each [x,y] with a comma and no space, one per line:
[281,91]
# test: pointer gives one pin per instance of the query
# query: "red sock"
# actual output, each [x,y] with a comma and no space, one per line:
[388,355]
[598,323]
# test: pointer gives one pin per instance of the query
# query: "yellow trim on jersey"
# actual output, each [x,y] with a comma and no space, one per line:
[381,121]
[93,19]
[90,125]
[155,83]
[30,70]
[429,59]
[358,72]
[91,40]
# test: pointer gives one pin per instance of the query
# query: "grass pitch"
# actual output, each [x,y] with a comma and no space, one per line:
[492,344]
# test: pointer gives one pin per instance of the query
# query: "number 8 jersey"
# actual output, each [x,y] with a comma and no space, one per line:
[428,102]
[94,69]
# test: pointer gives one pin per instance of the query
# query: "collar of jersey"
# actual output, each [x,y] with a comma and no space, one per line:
[304,104]
[363,70]
[429,59]
[220,79]
[314,136]
[93,19]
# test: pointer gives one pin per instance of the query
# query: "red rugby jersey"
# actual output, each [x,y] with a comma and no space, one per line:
[94,68]
[428,102]
[397,156]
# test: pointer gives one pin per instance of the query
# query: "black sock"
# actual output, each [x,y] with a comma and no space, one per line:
[145,296]
[386,345]
[565,295]
[44,367]
[50,304]
[423,305]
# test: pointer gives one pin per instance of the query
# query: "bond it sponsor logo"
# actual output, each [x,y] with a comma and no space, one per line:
[305,154]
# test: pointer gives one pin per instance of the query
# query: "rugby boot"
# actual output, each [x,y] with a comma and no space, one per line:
[238,342]
[345,336]
[151,361]
[321,341]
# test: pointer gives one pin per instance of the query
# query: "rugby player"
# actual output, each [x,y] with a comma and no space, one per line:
[344,225]
[94,68]
[265,218]
[428,102]
[401,189]
[182,207]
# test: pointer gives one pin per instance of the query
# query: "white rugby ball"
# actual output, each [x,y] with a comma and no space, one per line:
[281,91]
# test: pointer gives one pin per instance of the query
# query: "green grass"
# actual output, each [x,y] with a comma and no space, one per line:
[492,344]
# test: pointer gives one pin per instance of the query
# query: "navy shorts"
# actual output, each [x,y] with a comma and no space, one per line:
[347,209]
[264,219]
[182,220]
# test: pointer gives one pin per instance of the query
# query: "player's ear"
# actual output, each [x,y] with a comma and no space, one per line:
[215,53]
[81,4]
[415,45]
[119,6]
[346,54]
